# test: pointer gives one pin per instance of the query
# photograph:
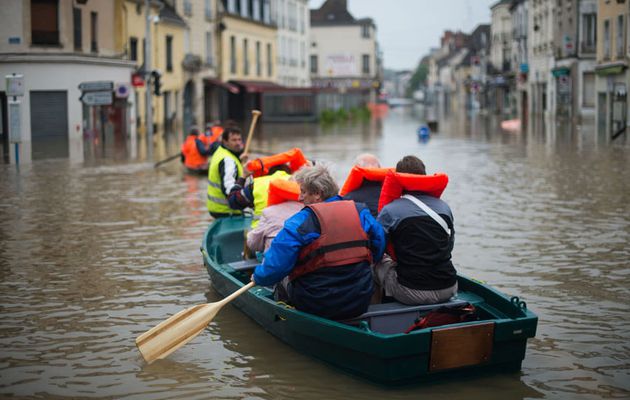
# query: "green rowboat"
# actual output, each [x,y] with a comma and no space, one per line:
[373,346]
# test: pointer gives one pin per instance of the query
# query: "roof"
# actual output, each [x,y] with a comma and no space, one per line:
[501,2]
[335,12]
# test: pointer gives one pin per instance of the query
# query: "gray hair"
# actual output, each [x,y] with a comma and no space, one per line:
[367,160]
[317,180]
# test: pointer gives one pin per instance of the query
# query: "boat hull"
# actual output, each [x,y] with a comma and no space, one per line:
[391,359]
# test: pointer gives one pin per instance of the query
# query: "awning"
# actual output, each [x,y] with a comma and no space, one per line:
[610,68]
[560,71]
[225,85]
[256,86]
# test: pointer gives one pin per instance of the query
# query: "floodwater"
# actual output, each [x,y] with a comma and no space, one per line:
[94,254]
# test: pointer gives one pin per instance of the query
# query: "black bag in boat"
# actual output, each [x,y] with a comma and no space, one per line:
[445,316]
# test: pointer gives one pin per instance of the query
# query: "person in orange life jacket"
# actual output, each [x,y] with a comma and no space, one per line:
[320,260]
[226,178]
[421,271]
[369,190]
[282,203]
[195,151]
[214,130]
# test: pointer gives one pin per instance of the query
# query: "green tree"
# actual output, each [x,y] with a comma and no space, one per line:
[419,78]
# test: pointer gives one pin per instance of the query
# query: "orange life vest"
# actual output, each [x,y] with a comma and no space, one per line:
[396,182]
[192,158]
[359,174]
[281,190]
[260,166]
[217,131]
[342,240]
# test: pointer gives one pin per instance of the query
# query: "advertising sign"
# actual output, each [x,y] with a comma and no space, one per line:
[340,64]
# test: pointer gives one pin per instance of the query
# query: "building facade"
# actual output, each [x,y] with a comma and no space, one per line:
[292,18]
[167,31]
[200,98]
[520,62]
[501,77]
[541,57]
[351,65]
[76,101]
[612,74]
[247,54]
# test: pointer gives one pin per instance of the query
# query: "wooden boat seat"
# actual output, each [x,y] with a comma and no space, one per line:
[387,318]
[394,317]
[244,265]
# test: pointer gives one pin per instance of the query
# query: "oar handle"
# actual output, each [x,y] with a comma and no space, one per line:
[255,115]
[237,293]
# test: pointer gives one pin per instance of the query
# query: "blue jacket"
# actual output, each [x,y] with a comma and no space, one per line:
[339,292]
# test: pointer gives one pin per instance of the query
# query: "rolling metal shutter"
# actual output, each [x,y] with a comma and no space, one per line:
[49,124]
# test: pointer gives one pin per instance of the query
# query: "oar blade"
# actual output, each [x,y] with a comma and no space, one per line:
[163,339]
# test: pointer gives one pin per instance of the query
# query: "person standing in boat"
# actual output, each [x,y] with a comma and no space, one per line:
[226,182]
[195,151]
[419,228]
[321,259]
[364,182]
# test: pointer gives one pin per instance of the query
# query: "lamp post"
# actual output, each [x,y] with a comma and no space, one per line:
[147,74]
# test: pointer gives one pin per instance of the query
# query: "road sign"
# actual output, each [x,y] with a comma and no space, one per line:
[122,90]
[15,85]
[137,80]
[96,86]
[102,98]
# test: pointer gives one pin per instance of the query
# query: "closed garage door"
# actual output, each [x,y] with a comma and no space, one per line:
[49,124]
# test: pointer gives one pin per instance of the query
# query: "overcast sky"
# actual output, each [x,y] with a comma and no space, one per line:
[407,29]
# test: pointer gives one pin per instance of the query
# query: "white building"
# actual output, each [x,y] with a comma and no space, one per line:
[56,47]
[344,51]
[292,18]
[540,36]
[201,100]
[520,62]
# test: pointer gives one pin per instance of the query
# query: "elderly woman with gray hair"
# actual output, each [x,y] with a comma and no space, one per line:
[321,258]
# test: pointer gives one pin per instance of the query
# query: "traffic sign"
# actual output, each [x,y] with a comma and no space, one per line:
[96,86]
[102,98]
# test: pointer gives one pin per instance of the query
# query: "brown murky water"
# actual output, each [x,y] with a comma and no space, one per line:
[92,256]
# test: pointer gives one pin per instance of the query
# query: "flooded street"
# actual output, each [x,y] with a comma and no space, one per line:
[91,256]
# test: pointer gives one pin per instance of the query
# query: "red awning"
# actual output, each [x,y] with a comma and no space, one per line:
[225,85]
[256,86]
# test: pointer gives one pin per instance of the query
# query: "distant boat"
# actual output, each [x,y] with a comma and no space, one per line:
[374,345]
[511,125]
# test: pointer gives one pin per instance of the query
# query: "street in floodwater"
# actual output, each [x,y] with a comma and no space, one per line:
[93,255]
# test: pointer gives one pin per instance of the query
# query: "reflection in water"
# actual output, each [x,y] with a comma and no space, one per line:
[91,256]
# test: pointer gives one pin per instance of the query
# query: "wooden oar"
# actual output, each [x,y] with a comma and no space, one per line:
[171,158]
[181,328]
[255,115]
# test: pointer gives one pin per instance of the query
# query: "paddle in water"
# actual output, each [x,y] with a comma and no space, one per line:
[181,328]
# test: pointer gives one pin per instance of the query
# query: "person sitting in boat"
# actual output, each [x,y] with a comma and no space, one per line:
[321,258]
[419,228]
[364,182]
[226,181]
[282,203]
[266,169]
[195,151]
